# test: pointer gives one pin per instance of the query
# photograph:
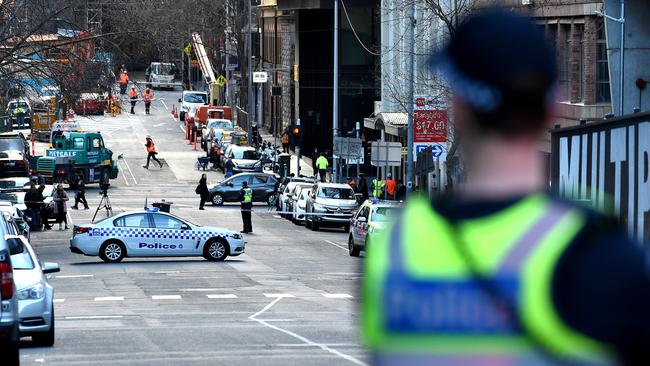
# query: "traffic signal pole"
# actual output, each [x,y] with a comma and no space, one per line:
[298,143]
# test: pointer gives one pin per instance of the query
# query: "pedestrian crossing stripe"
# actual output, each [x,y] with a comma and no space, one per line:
[154,233]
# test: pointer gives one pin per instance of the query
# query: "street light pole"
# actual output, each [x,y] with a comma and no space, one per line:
[249,109]
[335,109]
[410,99]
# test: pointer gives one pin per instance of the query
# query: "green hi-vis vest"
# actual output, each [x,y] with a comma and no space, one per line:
[422,305]
[377,188]
[248,195]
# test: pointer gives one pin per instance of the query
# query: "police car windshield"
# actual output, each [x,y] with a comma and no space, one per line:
[12,144]
[195,98]
[336,193]
[383,214]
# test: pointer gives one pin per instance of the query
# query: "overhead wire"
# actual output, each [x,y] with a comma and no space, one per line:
[345,11]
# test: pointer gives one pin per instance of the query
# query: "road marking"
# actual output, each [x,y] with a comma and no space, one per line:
[123,175]
[337,296]
[130,171]
[279,296]
[166,297]
[75,276]
[198,289]
[93,317]
[39,360]
[110,298]
[165,105]
[166,272]
[336,245]
[158,125]
[305,340]
[182,128]
[222,296]
[58,300]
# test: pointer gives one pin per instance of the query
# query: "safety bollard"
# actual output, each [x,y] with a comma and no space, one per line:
[194,140]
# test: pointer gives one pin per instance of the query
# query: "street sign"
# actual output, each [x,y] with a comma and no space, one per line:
[352,161]
[221,80]
[386,153]
[260,77]
[438,150]
[232,67]
[348,148]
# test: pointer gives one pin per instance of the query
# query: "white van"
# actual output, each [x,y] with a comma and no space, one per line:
[161,75]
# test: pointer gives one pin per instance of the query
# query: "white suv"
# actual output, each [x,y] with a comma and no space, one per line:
[192,99]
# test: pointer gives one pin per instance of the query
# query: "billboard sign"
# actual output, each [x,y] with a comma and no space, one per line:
[429,121]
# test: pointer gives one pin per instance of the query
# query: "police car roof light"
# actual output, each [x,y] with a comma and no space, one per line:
[152,209]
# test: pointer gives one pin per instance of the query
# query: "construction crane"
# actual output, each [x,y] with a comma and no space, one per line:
[206,68]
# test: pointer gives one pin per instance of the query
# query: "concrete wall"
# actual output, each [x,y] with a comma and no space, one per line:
[637,53]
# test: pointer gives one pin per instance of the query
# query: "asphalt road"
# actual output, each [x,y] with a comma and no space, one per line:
[292,299]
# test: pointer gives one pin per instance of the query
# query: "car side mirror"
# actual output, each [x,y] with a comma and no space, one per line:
[51,267]
[185,227]
[362,219]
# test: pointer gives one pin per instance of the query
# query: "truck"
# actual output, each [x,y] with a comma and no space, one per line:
[161,75]
[206,112]
[74,152]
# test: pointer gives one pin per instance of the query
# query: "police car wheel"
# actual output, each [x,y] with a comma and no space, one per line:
[112,252]
[217,199]
[352,249]
[215,250]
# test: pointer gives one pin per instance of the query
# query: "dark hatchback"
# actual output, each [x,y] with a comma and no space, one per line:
[262,184]
[14,155]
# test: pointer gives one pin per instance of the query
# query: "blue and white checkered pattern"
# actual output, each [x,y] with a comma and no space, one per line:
[134,232]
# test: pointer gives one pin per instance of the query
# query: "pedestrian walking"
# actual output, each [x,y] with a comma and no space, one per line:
[246,199]
[147,97]
[151,152]
[362,186]
[229,168]
[124,81]
[202,191]
[314,156]
[60,207]
[46,209]
[285,141]
[134,98]
[33,207]
[322,164]
[391,187]
[20,112]
[500,272]
[80,192]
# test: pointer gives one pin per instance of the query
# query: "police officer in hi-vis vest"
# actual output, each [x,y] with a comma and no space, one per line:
[246,199]
[500,272]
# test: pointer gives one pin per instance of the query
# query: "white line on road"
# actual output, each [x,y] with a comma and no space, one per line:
[93,317]
[110,298]
[222,296]
[182,128]
[336,245]
[164,105]
[158,125]
[130,171]
[338,296]
[39,360]
[166,297]
[279,296]
[305,340]
[74,276]
[58,300]
[198,289]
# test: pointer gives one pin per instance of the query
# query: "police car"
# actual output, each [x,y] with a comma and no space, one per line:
[149,233]
[371,217]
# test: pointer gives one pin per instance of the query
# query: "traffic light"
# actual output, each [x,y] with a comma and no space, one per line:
[296,132]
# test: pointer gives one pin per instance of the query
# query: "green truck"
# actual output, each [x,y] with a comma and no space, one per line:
[78,152]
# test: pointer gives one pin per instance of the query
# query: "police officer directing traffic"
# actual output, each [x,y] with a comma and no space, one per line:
[501,272]
[246,199]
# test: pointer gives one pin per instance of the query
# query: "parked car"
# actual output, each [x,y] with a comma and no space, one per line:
[15,183]
[17,196]
[9,318]
[191,99]
[219,126]
[35,294]
[244,159]
[14,154]
[371,218]
[286,193]
[330,204]
[262,184]
[299,205]
[16,219]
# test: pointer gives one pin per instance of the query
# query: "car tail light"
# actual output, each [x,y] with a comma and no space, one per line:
[61,172]
[6,280]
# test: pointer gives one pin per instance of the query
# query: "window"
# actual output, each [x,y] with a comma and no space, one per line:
[78,143]
[195,98]
[97,143]
[12,144]
[336,193]
[384,214]
[20,260]
[135,220]
[364,212]
[602,66]
[237,181]
[260,179]
[166,222]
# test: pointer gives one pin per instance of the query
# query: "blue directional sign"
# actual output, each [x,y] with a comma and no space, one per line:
[439,150]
